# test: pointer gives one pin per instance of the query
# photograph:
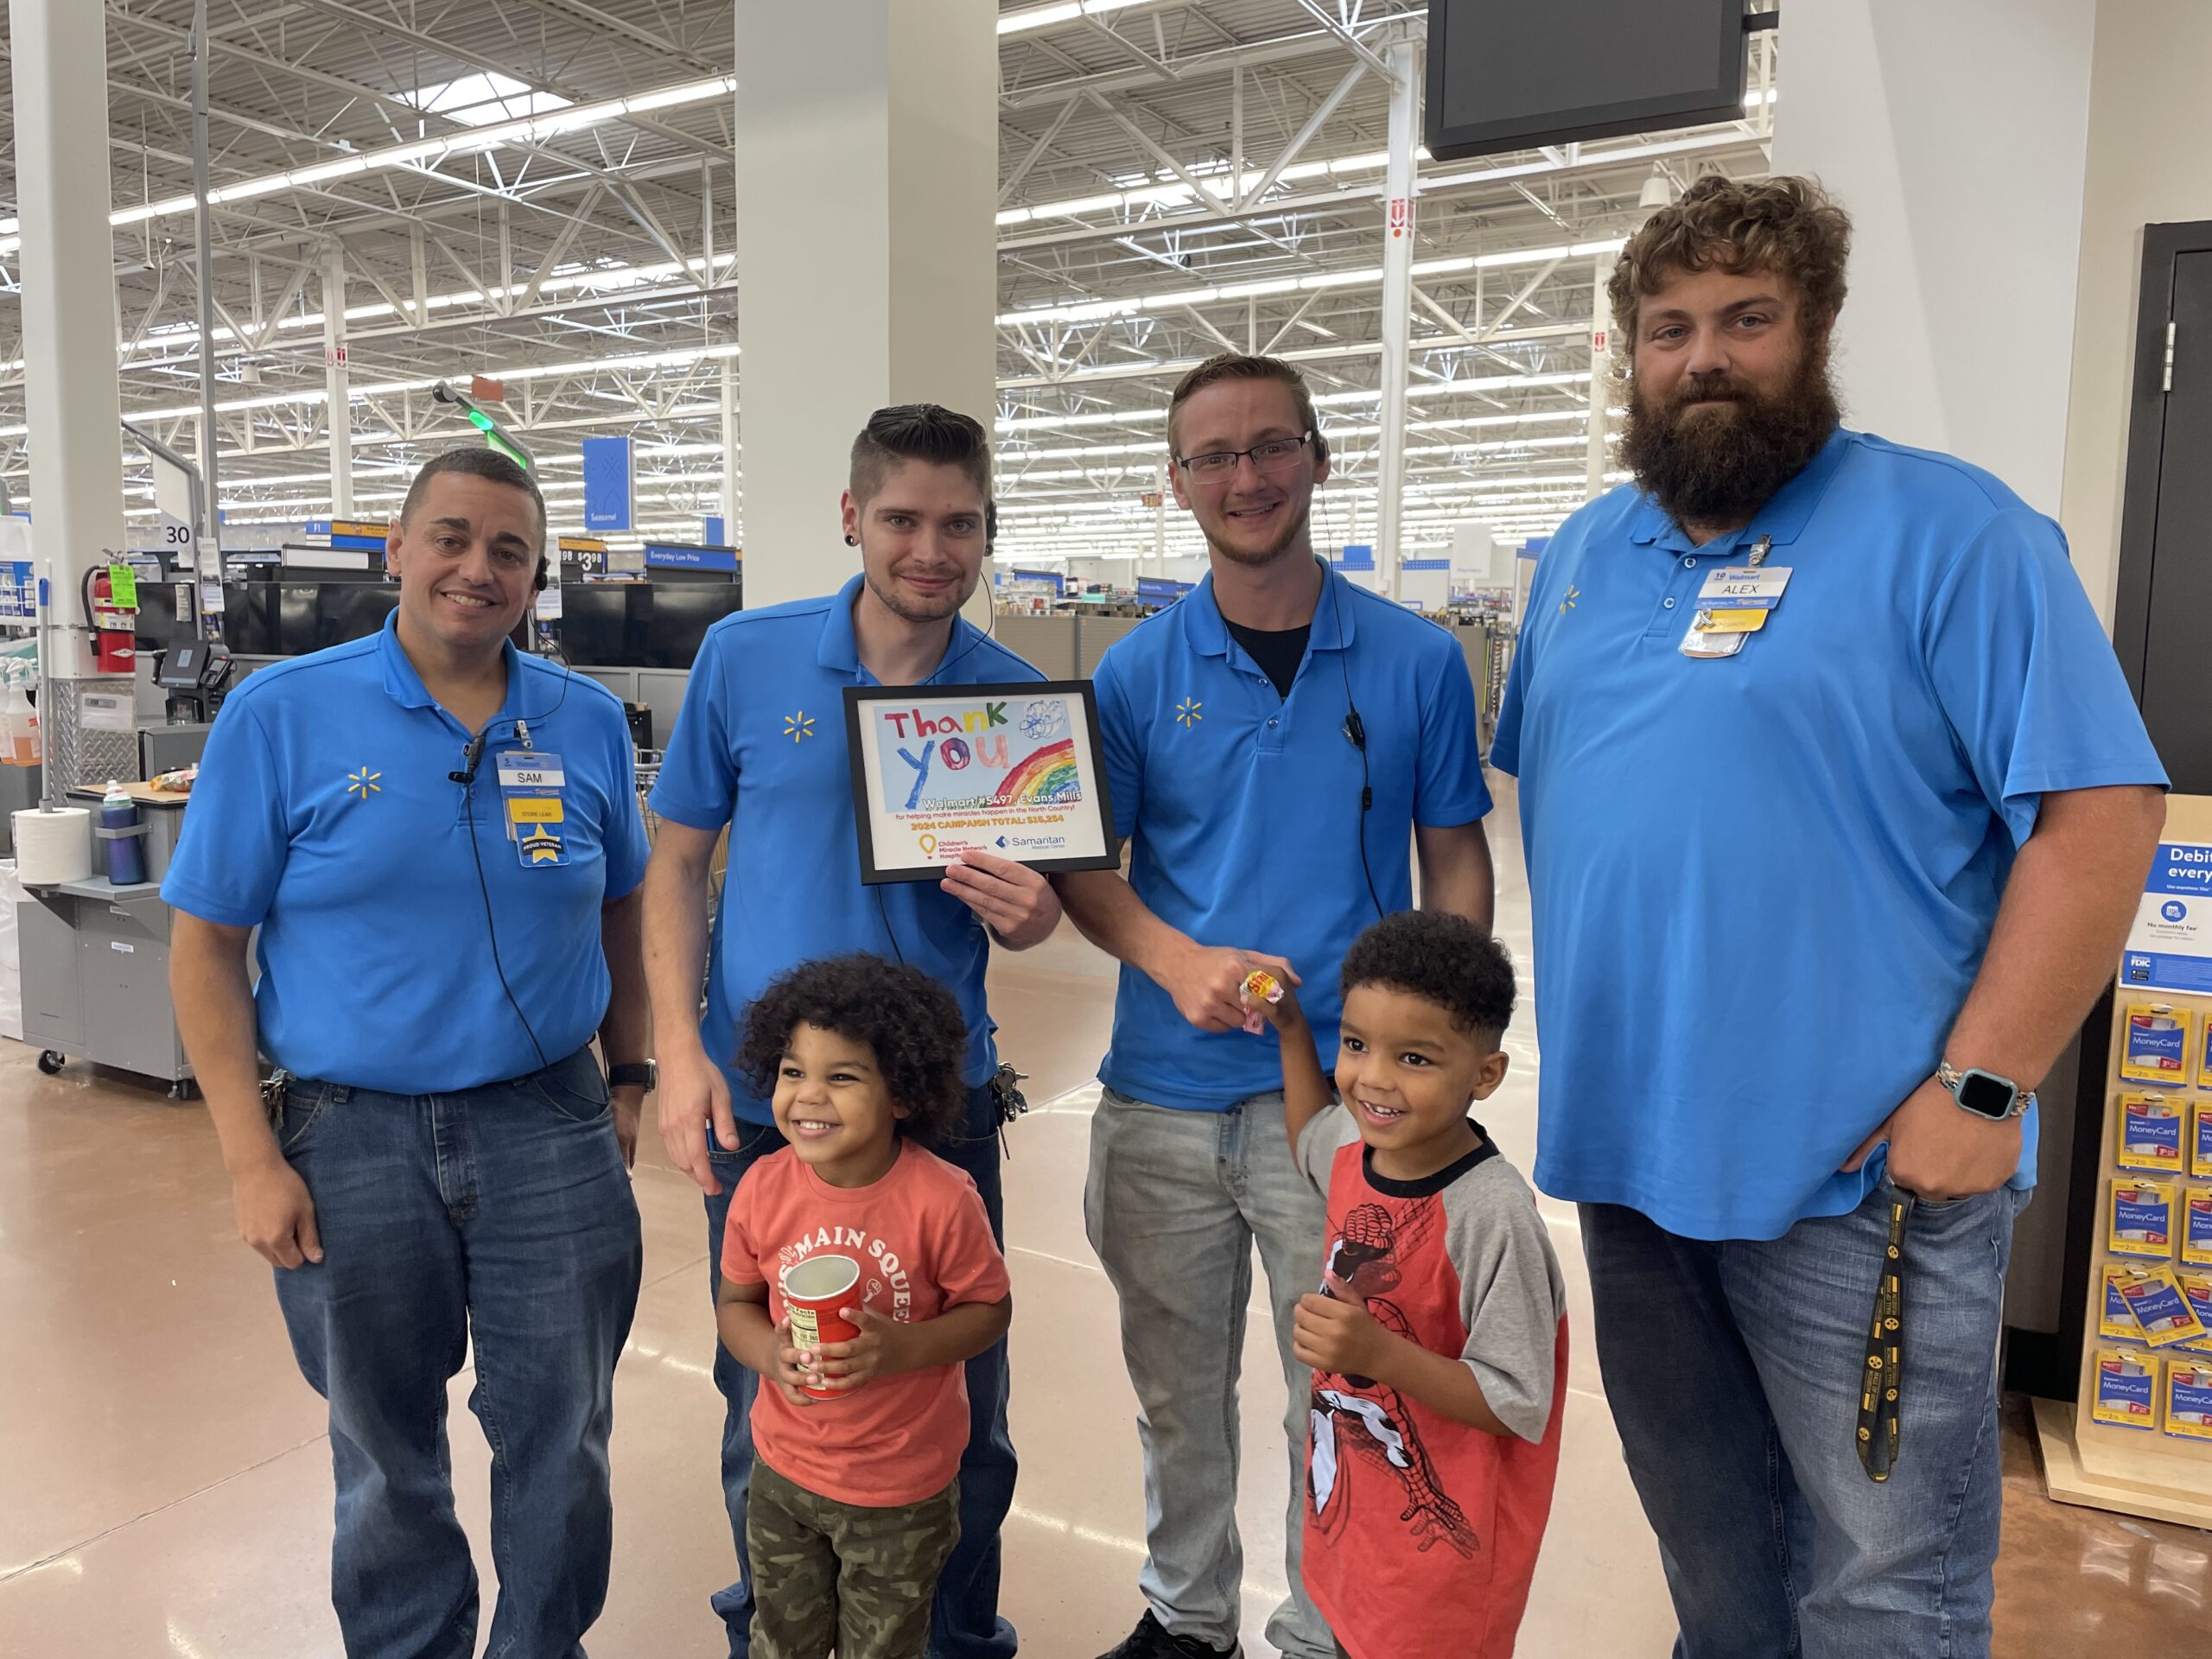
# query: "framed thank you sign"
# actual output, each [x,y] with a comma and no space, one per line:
[1008,770]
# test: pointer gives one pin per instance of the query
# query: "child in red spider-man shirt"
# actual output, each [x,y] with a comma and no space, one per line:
[1438,1336]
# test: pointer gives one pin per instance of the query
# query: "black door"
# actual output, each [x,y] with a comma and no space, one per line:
[2163,618]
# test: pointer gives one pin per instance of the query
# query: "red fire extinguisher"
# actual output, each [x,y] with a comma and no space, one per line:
[115,627]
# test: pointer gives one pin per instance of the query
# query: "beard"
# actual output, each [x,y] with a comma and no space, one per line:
[1718,465]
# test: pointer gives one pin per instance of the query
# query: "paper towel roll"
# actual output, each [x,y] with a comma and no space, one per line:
[54,846]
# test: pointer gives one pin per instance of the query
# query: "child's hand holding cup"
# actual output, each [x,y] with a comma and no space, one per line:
[816,1293]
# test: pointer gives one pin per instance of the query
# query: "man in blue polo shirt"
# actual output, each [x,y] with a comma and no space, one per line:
[1280,744]
[760,746]
[1837,810]
[439,840]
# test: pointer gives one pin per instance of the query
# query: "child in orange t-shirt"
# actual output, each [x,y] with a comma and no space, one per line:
[855,1499]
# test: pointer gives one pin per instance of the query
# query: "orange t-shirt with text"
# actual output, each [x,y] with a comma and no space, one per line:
[923,1244]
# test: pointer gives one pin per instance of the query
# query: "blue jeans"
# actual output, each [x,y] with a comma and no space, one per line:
[964,1623]
[1173,1204]
[1733,1372]
[499,1217]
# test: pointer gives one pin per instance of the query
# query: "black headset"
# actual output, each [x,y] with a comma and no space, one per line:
[471,757]
[1355,730]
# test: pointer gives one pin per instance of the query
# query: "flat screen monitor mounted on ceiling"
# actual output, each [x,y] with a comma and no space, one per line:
[1512,74]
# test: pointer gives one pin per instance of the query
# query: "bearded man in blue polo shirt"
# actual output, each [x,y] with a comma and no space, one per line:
[759,746]
[1837,810]
[438,838]
[1280,746]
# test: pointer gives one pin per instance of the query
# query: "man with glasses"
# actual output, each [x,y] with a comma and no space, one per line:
[1280,746]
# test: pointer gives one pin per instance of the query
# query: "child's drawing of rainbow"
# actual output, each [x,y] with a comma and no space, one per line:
[1048,777]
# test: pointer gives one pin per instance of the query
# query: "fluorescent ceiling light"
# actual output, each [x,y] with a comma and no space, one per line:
[1017,22]
[525,130]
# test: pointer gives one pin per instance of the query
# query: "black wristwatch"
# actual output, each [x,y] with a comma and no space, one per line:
[644,1074]
[1984,1093]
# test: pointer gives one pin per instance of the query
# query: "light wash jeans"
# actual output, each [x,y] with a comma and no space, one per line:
[502,1217]
[1174,1203]
[1733,1372]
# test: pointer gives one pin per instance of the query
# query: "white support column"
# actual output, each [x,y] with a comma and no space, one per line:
[731,525]
[1601,341]
[1397,317]
[867,193]
[338,409]
[58,52]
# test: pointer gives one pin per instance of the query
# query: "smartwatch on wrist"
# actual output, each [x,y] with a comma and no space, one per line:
[643,1074]
[1984,1093]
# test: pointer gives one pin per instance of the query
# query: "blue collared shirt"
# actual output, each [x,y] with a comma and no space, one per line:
[1763,885]
[324,816]
[1244,805]
[760,746]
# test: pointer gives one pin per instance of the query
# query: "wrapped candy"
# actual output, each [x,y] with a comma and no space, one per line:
[1261,987]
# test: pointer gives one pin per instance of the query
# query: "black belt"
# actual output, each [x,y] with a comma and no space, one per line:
[1881,1390]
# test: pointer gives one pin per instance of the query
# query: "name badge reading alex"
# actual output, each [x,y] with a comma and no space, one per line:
[1741,587]
[531,785]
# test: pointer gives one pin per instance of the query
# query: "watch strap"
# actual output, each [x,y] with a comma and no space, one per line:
[642,1074]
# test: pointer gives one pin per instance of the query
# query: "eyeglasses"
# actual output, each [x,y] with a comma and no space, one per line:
[1275,456]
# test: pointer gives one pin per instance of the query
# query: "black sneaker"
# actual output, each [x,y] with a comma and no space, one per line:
[1151,1640]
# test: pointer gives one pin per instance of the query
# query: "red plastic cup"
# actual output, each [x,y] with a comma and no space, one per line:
[814,1291]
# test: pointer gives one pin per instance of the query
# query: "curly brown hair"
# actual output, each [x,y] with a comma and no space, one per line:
[1787,226]
[910,1021]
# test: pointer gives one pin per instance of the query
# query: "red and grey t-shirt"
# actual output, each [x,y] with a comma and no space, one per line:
[1421,1533]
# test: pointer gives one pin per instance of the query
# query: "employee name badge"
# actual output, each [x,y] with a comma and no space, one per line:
[531,785]
[1733,603]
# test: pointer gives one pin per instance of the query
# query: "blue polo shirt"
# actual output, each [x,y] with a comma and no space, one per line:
[324,816]
[1763,884]
[1245,808]
[760,746]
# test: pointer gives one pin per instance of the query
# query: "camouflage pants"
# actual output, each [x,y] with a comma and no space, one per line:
[827,1574]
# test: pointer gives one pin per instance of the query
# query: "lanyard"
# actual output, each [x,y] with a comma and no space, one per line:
[1879,1404]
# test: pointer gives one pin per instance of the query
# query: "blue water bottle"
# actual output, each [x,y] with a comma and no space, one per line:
[123,832]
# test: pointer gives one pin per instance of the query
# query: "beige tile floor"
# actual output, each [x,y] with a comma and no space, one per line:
[165,1483]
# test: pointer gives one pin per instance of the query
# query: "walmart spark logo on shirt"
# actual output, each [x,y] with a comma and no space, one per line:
[363,783]
[798,726]
[1567,604]
[1186,712]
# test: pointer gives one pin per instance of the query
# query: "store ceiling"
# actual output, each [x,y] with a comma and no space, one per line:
[588,264]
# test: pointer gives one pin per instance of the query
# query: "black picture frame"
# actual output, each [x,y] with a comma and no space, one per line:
[1721,99]
[1097,797]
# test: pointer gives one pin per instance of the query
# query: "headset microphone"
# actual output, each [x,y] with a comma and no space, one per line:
[470,756]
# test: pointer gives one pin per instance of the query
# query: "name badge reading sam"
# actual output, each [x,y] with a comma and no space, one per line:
[531,785]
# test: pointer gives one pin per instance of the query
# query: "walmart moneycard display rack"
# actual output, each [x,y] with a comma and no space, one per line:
[2139,1438]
